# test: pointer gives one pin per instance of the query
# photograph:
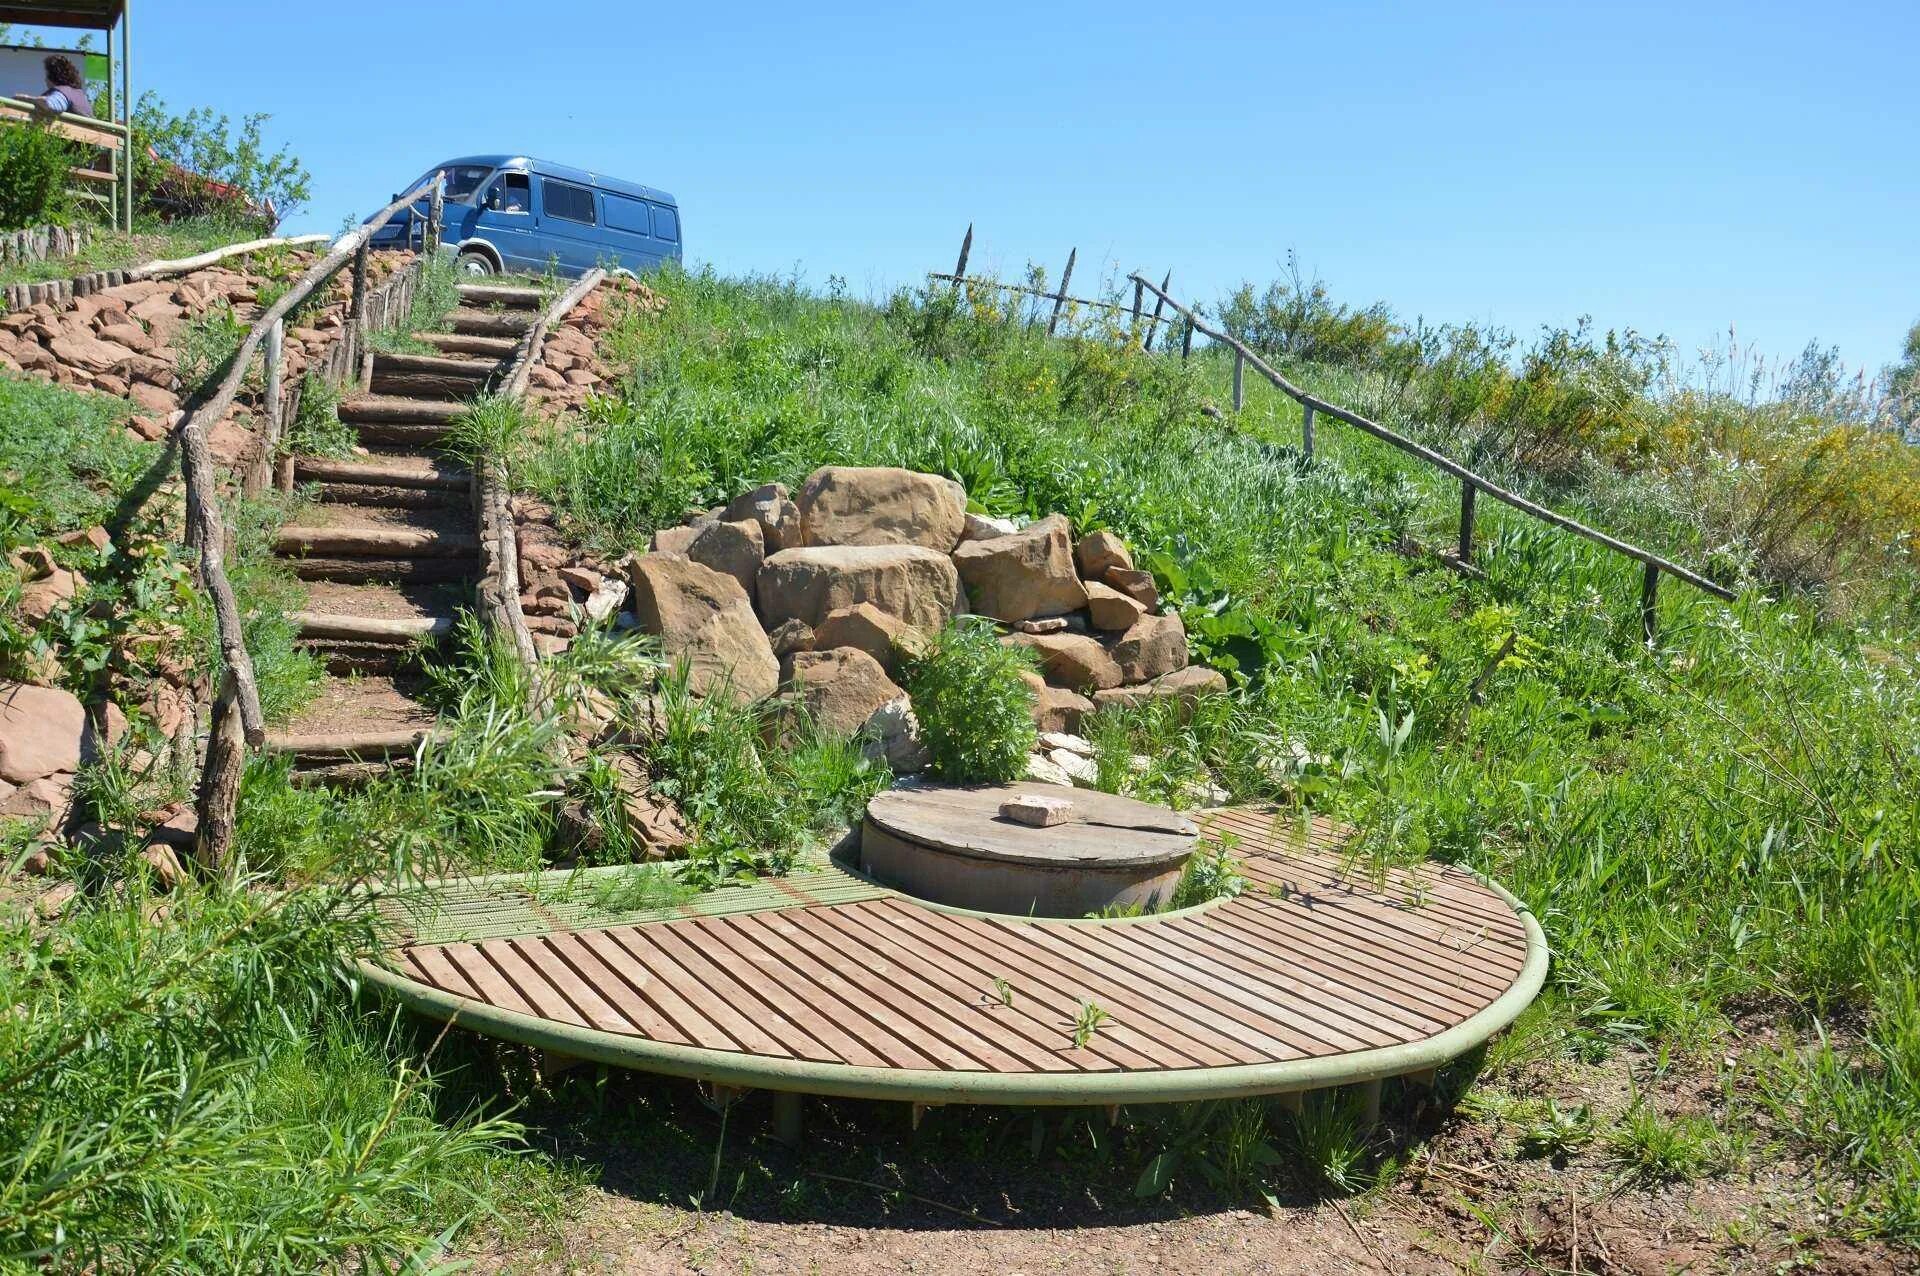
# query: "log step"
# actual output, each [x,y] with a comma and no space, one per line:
[347,775]
[402,629]
[399,571]
[386,541]
[345,659]
[422,376]
[445,365]
[455,343]
[408,498]
[502,295]
[490,323]
[313,469]
[367,408]
[348,747]
[401,432]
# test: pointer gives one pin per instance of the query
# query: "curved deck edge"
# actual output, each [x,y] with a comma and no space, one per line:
[849,1081]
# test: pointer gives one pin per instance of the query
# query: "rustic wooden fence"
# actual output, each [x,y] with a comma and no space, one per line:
[1312,406]
[237,721]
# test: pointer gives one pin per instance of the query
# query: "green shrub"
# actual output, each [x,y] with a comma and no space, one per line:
[316,428]
[33,177]
[975,711]
[192,165]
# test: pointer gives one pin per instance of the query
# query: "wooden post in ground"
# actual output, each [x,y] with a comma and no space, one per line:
[1239,379]
[1370,1103]
[1186,341]
[789,1108]
[1649,603]
[1160,300]
[1293,1102]
[1133,324]
[260,475]
[220,778]
[1306,430]
[966,251]
[1060,300]
[436,214]
[1467,493]
[357,316]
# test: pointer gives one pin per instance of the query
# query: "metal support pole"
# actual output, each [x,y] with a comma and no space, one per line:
[1239,379]
[126,115]
[1467,493]
[1306,430]
[1649,603]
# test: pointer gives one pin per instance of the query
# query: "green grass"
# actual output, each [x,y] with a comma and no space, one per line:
[434,297]
[1722,823]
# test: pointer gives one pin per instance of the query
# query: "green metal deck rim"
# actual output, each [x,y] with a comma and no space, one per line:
[1024,1089]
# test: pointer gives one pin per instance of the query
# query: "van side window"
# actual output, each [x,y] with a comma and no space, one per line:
[666,224]
[511,193]
[570,203]
[625,214]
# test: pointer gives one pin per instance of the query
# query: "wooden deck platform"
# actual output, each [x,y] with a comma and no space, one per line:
[1319,974]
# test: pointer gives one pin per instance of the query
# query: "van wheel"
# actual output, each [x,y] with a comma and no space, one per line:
[475,262]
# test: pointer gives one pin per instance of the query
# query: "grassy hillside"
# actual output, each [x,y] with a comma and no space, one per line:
[1718,834]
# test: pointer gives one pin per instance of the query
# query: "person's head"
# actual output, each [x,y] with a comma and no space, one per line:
[62,73]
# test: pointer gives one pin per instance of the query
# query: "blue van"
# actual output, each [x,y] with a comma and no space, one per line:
[515,213]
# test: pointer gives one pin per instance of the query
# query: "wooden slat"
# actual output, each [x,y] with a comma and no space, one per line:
[655,985]
[564,979]
[955,996]
[531,984]
[1416,964]
[741,1031]
[434,969]
[642,1016]
[770,1010]
[860,1016]
[491,985]
[1105,1052]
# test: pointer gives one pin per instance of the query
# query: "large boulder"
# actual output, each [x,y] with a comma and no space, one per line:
[865,627]
[1071,660]
[735,548]
[1026,574]
[1186,686]
[1154,646]
[849,505]
[42,732]
[908,582]
[770,506]
[704,618]
[841,689]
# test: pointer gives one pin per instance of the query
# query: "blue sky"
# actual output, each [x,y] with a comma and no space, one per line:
[1673,168]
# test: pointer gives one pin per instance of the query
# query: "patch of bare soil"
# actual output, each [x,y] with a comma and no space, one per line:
[973,1191]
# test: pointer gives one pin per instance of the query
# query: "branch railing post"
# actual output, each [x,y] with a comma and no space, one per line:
[1239,380]
[260,474]
[1159,300]
[1649,603]
[436,217]
[1467,492]
[1186,341]
[1306,430]
[960,266]
[357,318]
[1060,300]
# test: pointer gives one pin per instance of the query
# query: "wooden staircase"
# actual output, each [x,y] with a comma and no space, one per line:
[390,550]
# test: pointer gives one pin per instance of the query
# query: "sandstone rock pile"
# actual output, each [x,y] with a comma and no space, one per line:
[821,592]
[121,340]
[570,368]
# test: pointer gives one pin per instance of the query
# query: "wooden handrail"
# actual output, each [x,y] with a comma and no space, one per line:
[181,265]
[1313,403]
[939,277]
[204,529]
[109,134]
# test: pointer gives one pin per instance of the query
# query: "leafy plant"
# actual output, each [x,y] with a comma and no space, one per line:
[1087,1021]
[34,163]
[975,712]
[202,162]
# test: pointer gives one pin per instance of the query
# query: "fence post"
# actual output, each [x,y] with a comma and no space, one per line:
[1153,325]
[1239,378]
[436,213]
[1649,600]
[1306,430]
[1186,341]
[357,316]
[220,778]
[1467,492]
[260,473]
[1060,300]
[966,251]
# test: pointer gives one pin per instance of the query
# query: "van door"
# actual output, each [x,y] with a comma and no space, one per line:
[505,220]
[666,231]
[569,225]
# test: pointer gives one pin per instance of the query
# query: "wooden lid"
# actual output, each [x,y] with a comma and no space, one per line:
[1102,831]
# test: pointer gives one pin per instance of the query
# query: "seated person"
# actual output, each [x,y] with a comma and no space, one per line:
[66,90]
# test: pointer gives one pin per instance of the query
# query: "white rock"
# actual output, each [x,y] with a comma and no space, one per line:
[1081,770]
[606,600]
[896,736]
[1051,740]
[1047,772]
[984,527]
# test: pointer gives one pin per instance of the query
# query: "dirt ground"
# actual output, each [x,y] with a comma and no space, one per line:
[965,1193]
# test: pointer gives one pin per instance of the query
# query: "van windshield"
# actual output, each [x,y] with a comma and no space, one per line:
[462,180]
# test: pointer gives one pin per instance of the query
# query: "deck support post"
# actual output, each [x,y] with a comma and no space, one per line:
[1370,1103]
[789,1117]
[1425,1078]
[1293,1102]
[919,1111]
